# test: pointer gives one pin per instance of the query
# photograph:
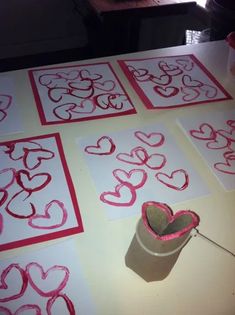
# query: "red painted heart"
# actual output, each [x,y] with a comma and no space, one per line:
[86,74]
[54,216]
[34,157]
[205,132]
[107,100]
[7,177]
[3,115]
[229,135]
[47,283]
[139,74]
[185,63]
[32,183]
[153,139]
[123,196]
[227,167]
[189,94]
[18,206]
[177,180]
[60,304]
[210,91]
[16,150]
[166,92]
[28,308]
[104,146]
[13,283]
[163,225]
[135,177]
[107,85]
[170,69]
[190,82]
[64,111]
[218,143]
[137,156]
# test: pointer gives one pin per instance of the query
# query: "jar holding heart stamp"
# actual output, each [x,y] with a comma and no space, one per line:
[159,239]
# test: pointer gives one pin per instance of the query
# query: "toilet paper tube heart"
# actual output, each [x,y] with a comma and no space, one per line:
[163,225]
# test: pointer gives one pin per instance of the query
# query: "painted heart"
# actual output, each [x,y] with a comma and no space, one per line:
[135,177]
[153,161]
[229,135]
[32,183]
[7,177]
[163,225]
[218,143]
[28,309]
[227,167]
[53,217]
[47,283]
[205,132]
[189,82]
[16,150]
[166,92]
[71,75]
[3,196]
[56,94]
[139,74]
[19,207]
[33,158]
[60,304]
[123,196]
[229,155]
[189,94]
[48,80]
[137,156]
[107,85]
[86,106]
[83,85]
[1,223]
[13,283]
[85,74]
[177,180]
[82,89]
[185,63]
[3,115]
[170,69]
[163,79]
[64,111]
[153,139]
[104,146]
[5,101]
[210,91]
[107,100]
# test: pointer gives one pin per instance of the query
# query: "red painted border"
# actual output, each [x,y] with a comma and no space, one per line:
[58,234]
[148,104]
[40,106]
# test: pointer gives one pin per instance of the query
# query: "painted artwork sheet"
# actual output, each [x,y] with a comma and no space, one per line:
[10,119]
[138,165]
[37,198]
[165,82]
[214,137]
[46,281]
[78,93]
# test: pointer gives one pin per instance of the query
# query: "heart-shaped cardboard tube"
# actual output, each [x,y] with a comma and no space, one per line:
[163,225]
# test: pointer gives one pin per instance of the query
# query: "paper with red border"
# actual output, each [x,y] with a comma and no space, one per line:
[10,118]
[77,93]
[45,281]
[213,135]
[37,197]
[172,81]
[132,166]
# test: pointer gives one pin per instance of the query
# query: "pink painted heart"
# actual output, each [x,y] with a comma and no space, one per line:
[104,146]
[135,177]
[220,142]
[185,63]
[7,177]
[163,225]
[82,85]
[47,283]
[57,93]
[48,79]
[70,111]
[177,180]
[3,196]
[107,85]
[86,74]
[19,207]
[189,94]
[86,106]
[139,74]
[153,161]
[32,183]
[205,132]
[124,195]
[16,150]
[54,216]
[137,156]
[29,309]
[60,304]
[34,157]
[229,135]
[13,283]
[5,101]
[153,139]
[71,75]
[163,79]
[166,92]
[227,167]
[210,91]
[188,81]
[170,69]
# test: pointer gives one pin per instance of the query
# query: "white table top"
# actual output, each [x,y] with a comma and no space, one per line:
[203,279]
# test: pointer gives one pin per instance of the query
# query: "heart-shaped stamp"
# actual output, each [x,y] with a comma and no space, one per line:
[7,177]
[32,183]
[163,225]
[123,196]
[13,283]
[47,283]
[177,180]
[153,139]
[135,177]
[205,132]
[60,304]
[54,216]
[18,206]
[27,309]
[166,92]
[104,146]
